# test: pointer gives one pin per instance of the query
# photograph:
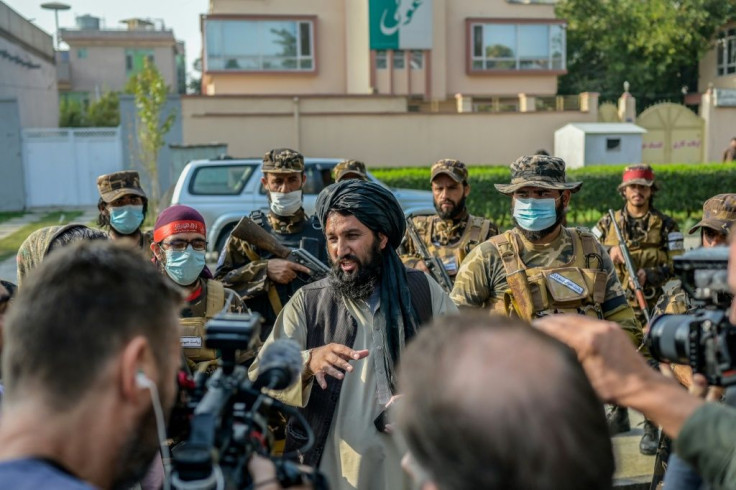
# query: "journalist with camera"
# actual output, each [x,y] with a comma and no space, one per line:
[704,433]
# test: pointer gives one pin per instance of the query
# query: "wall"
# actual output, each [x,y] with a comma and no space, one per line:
[720,127]
[104,67]
[597,154]
[32,80]
[448,63]
[708,72]
[570,146]
[12,184]
[382,139]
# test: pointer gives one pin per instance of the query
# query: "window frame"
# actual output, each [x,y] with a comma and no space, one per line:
[471,22]
[725,45]
[312,19]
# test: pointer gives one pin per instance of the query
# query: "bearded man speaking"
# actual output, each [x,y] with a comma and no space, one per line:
[353,327]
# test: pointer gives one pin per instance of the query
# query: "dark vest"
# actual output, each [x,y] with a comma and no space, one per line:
[328,320]
[314,244]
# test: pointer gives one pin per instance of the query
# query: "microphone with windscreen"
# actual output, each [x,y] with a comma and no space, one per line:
[280,366]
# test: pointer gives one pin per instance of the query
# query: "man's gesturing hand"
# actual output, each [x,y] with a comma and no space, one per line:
[331,359]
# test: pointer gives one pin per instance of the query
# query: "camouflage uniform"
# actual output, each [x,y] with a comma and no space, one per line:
[125,183]
[449,239]
[243,267]
[206,301]
[653,240]
[350,169]
[719,214]
[571,274]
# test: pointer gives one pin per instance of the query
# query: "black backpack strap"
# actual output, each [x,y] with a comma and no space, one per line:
[421,295]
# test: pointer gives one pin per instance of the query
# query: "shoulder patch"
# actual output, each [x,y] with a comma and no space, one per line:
[597,233]
[675,241]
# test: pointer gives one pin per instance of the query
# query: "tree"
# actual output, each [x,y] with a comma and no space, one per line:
[105,111]
[150,91]
[71,113]
[653,44]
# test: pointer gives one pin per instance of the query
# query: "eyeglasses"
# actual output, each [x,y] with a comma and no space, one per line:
[180,245]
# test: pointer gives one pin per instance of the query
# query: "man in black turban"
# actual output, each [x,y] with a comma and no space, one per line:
[352,327]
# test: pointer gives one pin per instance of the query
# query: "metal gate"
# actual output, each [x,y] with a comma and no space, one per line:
[674,134]
[61,166]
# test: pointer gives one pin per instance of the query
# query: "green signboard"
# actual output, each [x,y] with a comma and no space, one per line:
[401,24]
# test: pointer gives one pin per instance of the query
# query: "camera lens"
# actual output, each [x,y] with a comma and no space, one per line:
[669,338]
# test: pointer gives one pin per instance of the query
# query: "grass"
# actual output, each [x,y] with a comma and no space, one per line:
[6,215]
[10,244]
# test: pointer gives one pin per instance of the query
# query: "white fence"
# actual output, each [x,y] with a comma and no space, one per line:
[62,165]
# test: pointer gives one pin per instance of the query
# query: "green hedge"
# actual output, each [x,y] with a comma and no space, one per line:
[683,189]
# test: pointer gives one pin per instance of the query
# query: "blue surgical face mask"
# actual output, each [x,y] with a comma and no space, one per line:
[184,267]
[126,219]
[535,214]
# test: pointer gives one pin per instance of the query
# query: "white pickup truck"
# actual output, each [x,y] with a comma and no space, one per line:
[225,190]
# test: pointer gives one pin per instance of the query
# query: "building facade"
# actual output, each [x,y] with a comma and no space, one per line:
[27,70]
[103,59]
[428,50]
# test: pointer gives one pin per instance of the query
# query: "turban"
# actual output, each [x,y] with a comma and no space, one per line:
[43,241]
[376,207]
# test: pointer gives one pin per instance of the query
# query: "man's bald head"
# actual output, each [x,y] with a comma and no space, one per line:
[494,403]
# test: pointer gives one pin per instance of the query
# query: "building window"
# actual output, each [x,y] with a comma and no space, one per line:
[381,60]
[416,60]
[399,59]
[726,52]
[504,46]
[259,45]
[135,60]
[81,53]
[613,144]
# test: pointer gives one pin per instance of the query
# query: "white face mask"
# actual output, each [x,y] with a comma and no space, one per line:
[286,203]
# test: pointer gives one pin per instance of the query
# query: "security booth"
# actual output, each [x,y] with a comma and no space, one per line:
[586,144]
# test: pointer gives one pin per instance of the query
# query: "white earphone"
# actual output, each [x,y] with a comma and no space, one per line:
[144,382]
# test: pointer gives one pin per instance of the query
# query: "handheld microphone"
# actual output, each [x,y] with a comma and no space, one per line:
[281,365]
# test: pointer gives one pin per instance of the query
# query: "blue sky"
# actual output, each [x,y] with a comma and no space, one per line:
[180,15]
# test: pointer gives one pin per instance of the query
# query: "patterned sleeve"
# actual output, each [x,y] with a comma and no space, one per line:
[478,281]
[238,272]
[661,273]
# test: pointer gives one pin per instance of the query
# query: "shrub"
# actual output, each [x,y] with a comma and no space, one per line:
[684,188]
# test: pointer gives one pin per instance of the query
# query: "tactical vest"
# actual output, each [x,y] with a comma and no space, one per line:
[453,254]
[650,251]
[192,330]
[574,287]
[328,320]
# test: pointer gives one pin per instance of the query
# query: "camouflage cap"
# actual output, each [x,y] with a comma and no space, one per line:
[118,184]
[283,161]
[542,171]
[454,168]
[347,167]
[641,174]
[719,213]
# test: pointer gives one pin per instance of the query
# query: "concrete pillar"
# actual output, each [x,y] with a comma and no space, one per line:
[464,103]
[589,103]
[710,148]
[527,103]
[627,106]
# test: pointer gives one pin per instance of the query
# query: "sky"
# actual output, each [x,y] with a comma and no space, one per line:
[180,15]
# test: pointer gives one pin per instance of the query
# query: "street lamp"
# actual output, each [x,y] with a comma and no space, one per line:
[56,6]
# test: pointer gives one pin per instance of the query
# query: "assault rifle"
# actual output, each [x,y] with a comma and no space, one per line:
[638,290]
[248,230]
[434,264]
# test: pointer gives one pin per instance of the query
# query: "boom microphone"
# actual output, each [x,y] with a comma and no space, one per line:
[280,366]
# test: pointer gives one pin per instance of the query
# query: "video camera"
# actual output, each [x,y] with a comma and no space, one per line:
[704,340]
[228,413]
